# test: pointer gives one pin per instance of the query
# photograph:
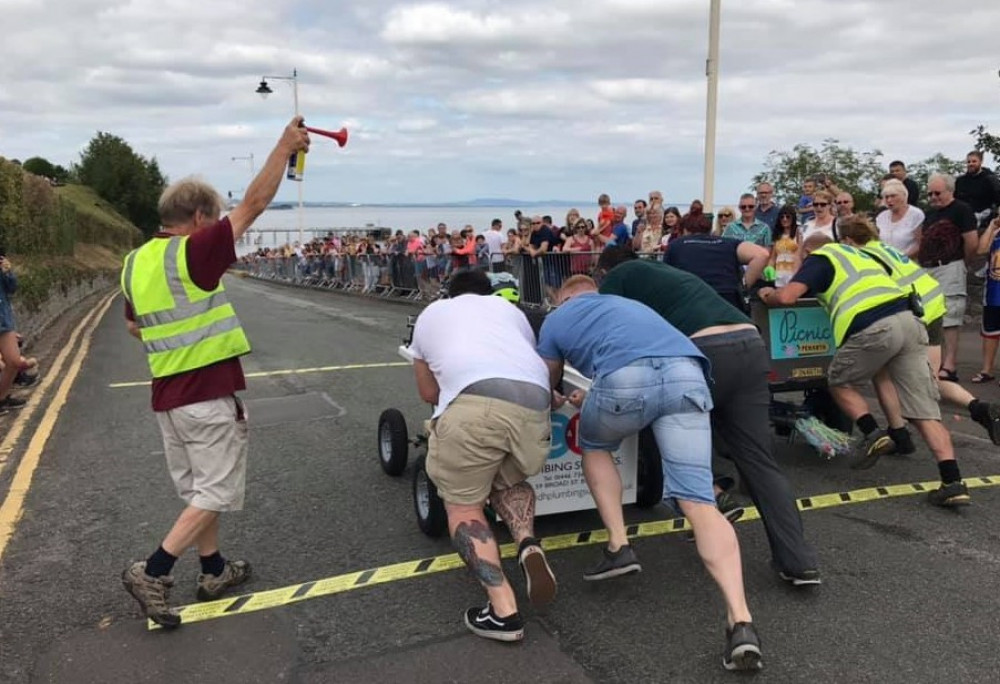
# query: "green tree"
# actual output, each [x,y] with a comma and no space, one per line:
[852,171]
[986,142]
[938,163]
[43,167]
[129,181]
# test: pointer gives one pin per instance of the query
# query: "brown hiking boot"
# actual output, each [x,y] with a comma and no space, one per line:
[152,594]
[233,574]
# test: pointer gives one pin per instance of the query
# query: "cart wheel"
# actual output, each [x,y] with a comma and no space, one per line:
[393,442]
[822,405]
[431,517]
[649,475]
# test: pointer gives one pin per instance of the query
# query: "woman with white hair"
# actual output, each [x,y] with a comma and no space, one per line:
[898,224]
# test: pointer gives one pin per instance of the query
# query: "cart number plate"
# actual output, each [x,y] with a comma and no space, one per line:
[807,372]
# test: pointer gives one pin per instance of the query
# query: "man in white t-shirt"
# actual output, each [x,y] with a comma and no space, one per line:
[475,360]
[494,241]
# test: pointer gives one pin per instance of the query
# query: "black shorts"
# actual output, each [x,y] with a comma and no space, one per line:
[991,321]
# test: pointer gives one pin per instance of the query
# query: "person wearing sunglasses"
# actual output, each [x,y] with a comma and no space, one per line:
[824,221]
[749,228]
[948,241]
[723,219]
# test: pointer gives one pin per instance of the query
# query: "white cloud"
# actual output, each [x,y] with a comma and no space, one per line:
[464,98]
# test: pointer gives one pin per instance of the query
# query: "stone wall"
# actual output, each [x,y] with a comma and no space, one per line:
[63,299]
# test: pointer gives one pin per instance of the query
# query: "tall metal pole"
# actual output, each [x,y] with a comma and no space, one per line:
[295,94]
[712,72]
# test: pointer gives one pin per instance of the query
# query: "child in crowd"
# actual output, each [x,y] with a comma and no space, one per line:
[606,215]
[805,208]
[784,254]
[989,243]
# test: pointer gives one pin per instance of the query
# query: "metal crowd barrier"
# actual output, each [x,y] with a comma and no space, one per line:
[401,276]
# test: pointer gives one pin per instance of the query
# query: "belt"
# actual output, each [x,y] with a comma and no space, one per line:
[525,394]
[935,264]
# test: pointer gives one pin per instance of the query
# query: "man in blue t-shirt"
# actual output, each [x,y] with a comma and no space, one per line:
[620,235]
[646,372]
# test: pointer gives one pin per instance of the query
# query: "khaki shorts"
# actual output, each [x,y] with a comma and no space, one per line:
[479,444]
[897,343]
[952,279]
[206,449]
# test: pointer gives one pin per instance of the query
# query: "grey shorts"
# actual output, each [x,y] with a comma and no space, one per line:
[952,279]
[897,343]
[206,450]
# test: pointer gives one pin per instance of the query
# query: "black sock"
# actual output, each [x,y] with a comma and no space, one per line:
[979,410]
[949,471]
[867,424]
[160,563]
[213,565]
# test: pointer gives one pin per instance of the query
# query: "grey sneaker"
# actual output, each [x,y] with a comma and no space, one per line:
[950,495]
[801,579]
[614,564]
[152,594]
[233,574]
[742,648]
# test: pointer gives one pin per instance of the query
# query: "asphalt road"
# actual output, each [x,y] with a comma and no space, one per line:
[909,594]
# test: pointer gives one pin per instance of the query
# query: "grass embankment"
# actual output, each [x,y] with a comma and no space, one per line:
[57,238]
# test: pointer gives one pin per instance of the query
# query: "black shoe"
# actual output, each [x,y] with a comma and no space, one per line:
[950,495]
[12,402]
[23,379]
[902,443]
[538,576]
[614,564]
[870,449]
[742,648]
[801,579]
[730,508]
[485,623]
[991,421]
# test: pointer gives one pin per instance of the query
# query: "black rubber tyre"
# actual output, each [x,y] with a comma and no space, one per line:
[393,442]
[821,404]
[649,475]
[431,516]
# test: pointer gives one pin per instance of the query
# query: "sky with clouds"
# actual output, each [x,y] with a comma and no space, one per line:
[459,99]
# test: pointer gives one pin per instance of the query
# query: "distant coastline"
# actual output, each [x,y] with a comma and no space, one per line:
[482,202]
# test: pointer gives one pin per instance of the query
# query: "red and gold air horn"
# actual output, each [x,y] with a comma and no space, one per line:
[297,162]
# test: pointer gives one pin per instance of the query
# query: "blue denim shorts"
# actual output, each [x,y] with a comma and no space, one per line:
[670,394]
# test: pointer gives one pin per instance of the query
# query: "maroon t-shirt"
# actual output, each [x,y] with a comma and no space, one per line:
[210,251]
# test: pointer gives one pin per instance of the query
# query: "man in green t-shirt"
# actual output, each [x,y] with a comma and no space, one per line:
[740,420]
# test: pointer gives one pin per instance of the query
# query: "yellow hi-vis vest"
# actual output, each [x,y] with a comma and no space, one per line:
[907,273]
[859,284]
[182,326]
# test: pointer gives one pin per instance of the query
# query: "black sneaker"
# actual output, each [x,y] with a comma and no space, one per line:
[12,402]
[991,421]
[24,379]
[730,508]
[485,623]
[950,495]
[538,576]
[614,564]
[902,443]
[742,648]
[870,449]
[801,579]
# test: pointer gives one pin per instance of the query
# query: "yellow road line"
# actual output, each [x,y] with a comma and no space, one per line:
[13,504]
[288,371]
[51,374]
[274,598]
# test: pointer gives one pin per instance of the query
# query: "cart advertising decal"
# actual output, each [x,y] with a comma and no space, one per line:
[802,332]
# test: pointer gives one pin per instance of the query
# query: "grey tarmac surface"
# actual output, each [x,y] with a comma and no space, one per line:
[910,592]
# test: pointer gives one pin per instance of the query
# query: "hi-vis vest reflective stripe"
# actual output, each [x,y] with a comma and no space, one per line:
[907,273]
[182,326]
[859,284]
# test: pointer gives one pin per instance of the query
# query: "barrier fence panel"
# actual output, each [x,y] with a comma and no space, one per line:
[419,276]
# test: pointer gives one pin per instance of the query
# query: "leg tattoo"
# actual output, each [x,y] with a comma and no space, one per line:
[516,506]
[465,537]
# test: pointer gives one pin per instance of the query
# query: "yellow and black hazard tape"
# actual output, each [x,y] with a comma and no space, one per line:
[273,598]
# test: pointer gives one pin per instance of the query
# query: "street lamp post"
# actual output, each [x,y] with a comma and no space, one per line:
[264,90]
[712,72]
